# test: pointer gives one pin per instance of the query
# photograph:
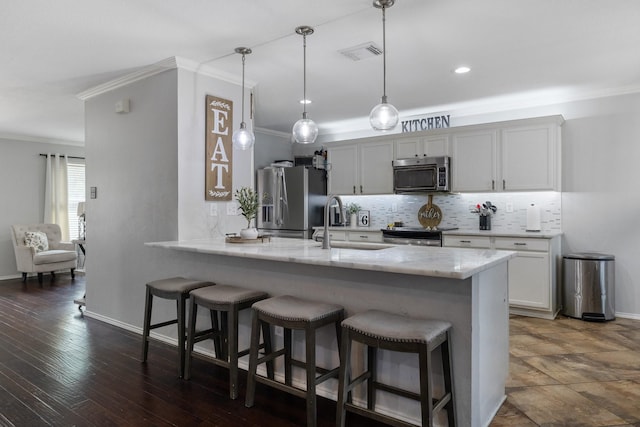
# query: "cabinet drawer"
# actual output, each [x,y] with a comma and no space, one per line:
[467,241]
[355,236]
[337,235]
[522,244]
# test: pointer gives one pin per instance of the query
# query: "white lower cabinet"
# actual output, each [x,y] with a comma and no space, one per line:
[533,289]
[350,235]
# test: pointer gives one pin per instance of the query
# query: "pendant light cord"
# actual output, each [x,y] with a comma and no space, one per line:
[384,54]
[304,75]
[243,88]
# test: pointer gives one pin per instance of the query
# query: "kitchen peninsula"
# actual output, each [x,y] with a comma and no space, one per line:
[468,287]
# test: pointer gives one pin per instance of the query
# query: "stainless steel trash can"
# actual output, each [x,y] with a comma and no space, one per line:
[588,290]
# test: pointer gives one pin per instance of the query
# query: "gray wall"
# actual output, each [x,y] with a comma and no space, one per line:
[132,159]
[148,166]
[22,181]
[271,146]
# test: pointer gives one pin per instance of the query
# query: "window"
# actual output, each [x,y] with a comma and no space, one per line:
[76,190]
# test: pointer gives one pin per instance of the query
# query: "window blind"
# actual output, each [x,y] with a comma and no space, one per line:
[76,190]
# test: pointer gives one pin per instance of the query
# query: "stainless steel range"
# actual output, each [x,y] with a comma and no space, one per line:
[414,236]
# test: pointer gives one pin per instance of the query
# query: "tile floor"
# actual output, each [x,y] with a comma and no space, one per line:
[566,372]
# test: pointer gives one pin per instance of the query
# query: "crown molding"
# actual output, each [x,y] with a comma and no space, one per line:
[39,139]
[279,134]
[143,73]
[167,64]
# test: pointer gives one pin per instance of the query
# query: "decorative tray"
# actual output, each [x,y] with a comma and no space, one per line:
[238,239]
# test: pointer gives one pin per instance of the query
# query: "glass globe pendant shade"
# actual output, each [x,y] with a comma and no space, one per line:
[305,130]
[384,116]
[243,138]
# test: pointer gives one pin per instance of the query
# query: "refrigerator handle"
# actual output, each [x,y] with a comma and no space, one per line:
[280,202]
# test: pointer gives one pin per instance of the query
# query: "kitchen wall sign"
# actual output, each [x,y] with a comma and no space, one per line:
[430,215]
[364,219]
[425,123]
[218,181]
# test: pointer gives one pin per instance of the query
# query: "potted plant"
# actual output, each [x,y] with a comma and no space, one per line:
[352,211]
[248,201]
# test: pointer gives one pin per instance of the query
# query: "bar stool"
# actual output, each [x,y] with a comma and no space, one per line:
[175,288]
[381,330]
[292,313]
[227,301]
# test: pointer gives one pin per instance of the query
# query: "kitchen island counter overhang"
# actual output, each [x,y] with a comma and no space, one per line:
[468,287]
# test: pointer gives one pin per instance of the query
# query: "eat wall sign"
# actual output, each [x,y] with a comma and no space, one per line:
[218,181]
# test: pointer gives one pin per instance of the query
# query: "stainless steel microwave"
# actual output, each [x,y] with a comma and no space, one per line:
[421,175]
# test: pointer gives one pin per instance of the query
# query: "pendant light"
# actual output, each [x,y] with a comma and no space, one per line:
[243,138]
[384,116]
[305,130]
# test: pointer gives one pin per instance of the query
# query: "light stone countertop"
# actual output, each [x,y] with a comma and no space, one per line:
[456,263]
[516,234]
[467,232]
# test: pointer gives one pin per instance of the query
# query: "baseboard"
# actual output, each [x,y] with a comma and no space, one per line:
[632,316]
[11,277]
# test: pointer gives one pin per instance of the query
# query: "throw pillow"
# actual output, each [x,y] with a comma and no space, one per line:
[37,240]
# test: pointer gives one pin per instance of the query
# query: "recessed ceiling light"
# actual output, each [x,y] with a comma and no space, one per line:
[462,70]
[305,101]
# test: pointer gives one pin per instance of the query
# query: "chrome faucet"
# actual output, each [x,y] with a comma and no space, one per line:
[325,236]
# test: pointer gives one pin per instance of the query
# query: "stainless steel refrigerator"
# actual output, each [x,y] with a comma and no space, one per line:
[291,200]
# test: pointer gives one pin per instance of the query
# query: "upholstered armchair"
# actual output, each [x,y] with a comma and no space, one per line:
[38,250]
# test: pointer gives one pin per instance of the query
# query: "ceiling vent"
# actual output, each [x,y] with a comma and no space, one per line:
[362,51]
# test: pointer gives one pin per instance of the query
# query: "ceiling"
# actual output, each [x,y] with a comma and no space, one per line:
[524,51]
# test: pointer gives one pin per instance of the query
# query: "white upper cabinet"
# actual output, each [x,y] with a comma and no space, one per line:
[522,155]
[431,146]
[376,169]
[361,168]
[343,172]
[529,158]
[474,160]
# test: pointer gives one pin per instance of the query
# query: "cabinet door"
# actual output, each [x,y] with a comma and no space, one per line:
[343,172]
[529,280]
[528,158]
[436,146]
[408,147]
[473,162]
[432,146]
[376,170]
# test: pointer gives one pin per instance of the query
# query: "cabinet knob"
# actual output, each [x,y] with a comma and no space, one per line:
[465,241]
[504,184]
[493,184]
[361,189]
[519,244]
[354,189]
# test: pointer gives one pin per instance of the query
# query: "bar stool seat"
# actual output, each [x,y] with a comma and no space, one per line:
[292,313]
[174,288]
[381,330]
[227,301]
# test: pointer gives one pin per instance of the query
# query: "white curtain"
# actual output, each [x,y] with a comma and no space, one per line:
[55,193]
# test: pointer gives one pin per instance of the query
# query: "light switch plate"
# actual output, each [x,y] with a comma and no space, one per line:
[509,207]
[231,208]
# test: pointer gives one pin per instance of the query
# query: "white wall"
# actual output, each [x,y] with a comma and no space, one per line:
[22,182]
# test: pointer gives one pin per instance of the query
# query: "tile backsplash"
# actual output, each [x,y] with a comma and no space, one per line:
[456,209]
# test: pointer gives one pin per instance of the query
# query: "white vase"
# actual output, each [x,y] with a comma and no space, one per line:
[353,220]
[249,233]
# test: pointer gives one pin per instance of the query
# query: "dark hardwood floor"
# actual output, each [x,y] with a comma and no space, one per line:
[58,368]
